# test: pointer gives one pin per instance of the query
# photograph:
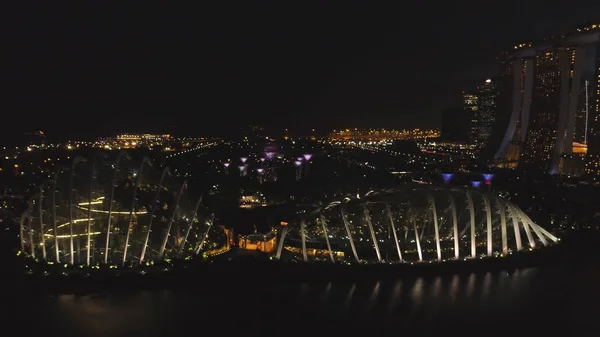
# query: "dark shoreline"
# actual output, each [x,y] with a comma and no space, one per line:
[190,274]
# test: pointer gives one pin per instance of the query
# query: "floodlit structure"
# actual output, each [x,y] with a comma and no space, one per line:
[260,171]
[414,223]
[242,169]
[115,212]
[447,177]
[298,169]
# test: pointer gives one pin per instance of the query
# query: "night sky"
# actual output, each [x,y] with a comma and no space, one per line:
[89,71]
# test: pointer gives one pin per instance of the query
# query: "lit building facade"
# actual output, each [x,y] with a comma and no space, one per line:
[471,107]
[592,162]
[545,96]
[482,107]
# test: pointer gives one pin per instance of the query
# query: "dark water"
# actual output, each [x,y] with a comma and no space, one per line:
[528,302]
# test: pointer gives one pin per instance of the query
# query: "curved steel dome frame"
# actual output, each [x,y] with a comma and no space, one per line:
[416,223]
[41,235]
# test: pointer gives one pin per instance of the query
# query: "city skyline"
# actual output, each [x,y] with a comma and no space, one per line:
[411,167]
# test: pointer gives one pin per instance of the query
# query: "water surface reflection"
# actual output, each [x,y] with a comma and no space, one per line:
[421,304]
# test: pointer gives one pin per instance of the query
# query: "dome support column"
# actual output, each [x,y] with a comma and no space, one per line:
[349,234]
[154,207]
[76,161]
[121,154]
[54,182]
[281,239]
[389,213]
[534,227]
[488,219]
[173,215]
[515,222]
[326,235]
[455,227]
[303,238]
[372,230]
[147,161]
[417,239]
[435,227]
[41,219]
[189,229]
[205,236]
[472,224]
[502,212]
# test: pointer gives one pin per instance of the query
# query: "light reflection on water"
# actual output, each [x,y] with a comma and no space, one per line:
[415,303]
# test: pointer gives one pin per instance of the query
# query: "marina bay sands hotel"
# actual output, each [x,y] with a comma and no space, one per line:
[548,107]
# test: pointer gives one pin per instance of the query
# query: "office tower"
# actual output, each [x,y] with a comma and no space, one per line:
[483,115]
[592,162]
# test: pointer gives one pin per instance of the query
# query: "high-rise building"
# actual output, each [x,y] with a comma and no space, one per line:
[483,115]
[470,107]
[542,102]
[455,125]
[592,163]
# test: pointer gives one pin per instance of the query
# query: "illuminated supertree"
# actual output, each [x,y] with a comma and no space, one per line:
[475,183]
[447,177]
[242,169]
[307,157]
[260,175]
[488,178]
[270,155]
[226,166]
[298,169]
[244,160]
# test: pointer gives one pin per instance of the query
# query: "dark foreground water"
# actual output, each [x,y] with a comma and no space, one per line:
[529,302]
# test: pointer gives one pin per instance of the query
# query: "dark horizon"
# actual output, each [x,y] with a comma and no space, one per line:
[94,71]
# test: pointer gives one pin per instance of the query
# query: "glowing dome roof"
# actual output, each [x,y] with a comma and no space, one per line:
[414,223]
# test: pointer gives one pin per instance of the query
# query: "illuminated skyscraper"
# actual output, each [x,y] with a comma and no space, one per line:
[483,115]
[592,163]
[542,100]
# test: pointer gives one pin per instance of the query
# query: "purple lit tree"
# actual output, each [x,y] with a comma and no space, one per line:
[488,178]
[298,164]
[260,176]
[447,177]
[226,165]
[307,157]
[476,184]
